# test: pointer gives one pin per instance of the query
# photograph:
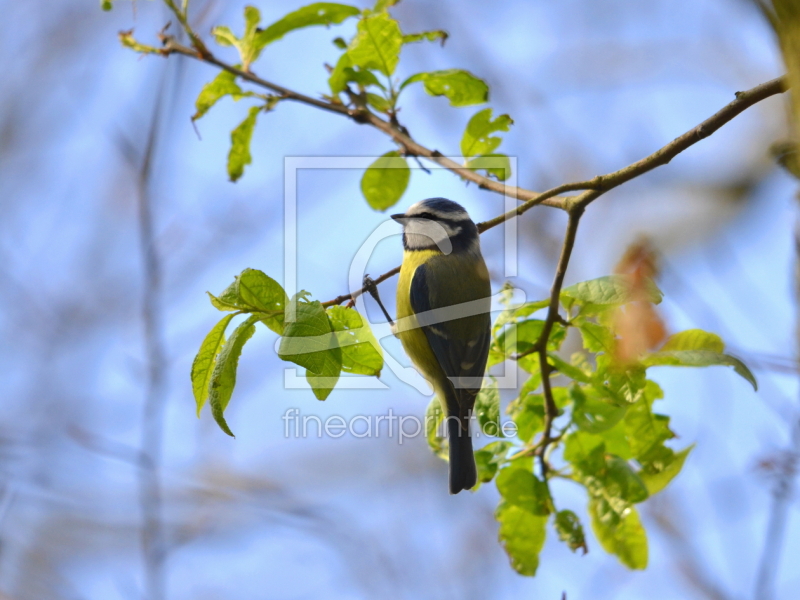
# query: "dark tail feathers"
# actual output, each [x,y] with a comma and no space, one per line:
[463,474]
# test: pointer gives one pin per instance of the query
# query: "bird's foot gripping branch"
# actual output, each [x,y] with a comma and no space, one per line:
[591,419]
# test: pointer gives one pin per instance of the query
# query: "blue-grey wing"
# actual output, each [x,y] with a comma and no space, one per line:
[461,345]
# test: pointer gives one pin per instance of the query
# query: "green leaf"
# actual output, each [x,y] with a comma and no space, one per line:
[379,103]
[570,530]
[106,4]
[377,43]
[699,358]
[694,339]
[522,535]
[608,290]
[127,40]
[461,87]
[520,337]
[254,291]
[489,458]
[239,154]
[246,45]
[497,165]
[318,13]
[385,180]
[382,5]
[477,139]
[361,352]
[203,364]
[646,431]
[260,292]
[309,342]
[223,378]
[222,85]
[487,409]
[621,535]
[567,369]
[595,412]
[620,481]
[426,36]
[520,487]
[433,419]
[657,475]
[344,73]
[596,338]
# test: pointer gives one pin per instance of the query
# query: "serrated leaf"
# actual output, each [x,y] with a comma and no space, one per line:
[309,341]
[609,290]
[522,534]
[621,535]
[239,154]
[434,415]
[223,379]
[461,87]
[318,13]
[694,339]
[488,459]
[570,530]
[204,361]
[520,487]
[426,36]
[385,180]
[377,43]
[699,358]
[477,139]
[222,85]
[361,352]
[487,409]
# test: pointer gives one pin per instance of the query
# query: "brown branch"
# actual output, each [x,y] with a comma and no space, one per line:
[550,408]
[594,187]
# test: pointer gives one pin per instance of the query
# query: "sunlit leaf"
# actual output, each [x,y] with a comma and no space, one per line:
[478,139]
[318,13]
[608,290]
[223,379]
[595,412]
[461,87]
[246,45]
[694,339]
[239,154]
[426,36]
[497,165]
[385,180]
[377,43]
[621,535]
[699,358]
[522,535]
[361,353]
[224,84]
[487,409]
[520,487]
[488,459]
[656,475]
[434,415]
[309,341]
[203,364]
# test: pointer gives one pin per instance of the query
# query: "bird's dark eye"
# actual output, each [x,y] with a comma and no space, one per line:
[427,215]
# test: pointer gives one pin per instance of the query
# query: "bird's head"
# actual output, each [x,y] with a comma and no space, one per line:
[438,224]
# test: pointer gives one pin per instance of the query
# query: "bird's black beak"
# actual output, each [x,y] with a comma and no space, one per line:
[400,217]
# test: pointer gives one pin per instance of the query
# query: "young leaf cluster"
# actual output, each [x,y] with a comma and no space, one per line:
[325,342]
[609,437]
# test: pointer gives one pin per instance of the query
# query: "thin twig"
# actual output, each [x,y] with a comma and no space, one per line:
[550,408]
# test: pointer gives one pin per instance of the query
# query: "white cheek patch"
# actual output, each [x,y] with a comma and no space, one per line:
[422,233]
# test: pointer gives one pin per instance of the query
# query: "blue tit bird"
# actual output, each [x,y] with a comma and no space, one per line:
[443,303]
